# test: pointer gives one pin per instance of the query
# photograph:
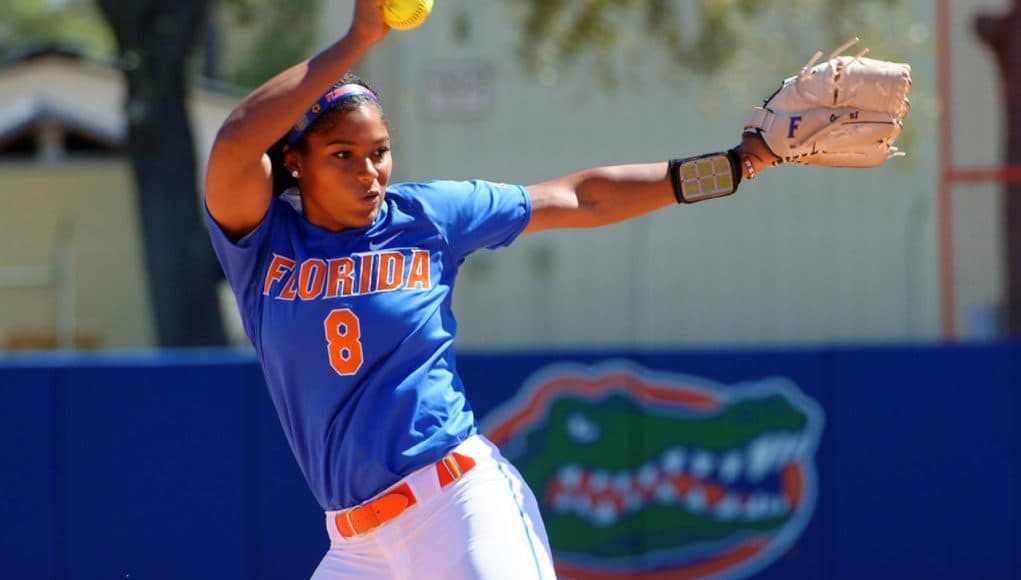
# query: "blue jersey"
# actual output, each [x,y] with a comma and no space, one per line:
[354,330]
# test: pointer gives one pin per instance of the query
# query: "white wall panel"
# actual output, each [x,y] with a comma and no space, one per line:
[802,255]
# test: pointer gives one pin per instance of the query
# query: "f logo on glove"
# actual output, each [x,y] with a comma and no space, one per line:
[794,126]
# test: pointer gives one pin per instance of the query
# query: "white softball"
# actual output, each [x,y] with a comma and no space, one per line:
[406,14]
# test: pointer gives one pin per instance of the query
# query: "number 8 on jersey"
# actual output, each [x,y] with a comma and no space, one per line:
[343,341]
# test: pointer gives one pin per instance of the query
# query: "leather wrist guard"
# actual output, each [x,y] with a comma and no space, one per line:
[705,177]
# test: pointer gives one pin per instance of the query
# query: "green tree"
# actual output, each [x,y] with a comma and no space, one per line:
[155,40]
[263,37]
[71,22]
[696,36]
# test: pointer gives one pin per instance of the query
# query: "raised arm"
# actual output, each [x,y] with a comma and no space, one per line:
[239,178]
[606,195]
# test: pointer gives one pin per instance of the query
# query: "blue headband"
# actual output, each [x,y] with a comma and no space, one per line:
[331,98]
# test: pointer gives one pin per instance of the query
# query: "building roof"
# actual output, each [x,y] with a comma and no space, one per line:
[48,82]
[28,51]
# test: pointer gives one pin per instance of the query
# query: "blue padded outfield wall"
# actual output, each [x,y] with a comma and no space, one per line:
[841,463]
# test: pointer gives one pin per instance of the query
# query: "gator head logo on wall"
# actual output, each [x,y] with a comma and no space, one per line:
[652,475]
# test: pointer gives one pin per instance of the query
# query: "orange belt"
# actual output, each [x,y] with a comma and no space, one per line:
[378,511]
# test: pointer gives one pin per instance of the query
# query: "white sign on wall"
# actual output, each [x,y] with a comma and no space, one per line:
[458,90]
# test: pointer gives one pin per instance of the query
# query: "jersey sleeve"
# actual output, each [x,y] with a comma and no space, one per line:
[476,214]
[240,259]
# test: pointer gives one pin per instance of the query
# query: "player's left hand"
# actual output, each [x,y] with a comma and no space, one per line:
[755,155]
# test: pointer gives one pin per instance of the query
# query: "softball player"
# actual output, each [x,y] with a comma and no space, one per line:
[344,284]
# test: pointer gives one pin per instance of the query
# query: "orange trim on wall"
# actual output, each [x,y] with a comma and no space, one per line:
[1008,174]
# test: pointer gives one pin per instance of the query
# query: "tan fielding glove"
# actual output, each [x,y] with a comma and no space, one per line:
[845,112]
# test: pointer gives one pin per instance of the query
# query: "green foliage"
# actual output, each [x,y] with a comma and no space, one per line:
[699,36]
[71,22]
[264,37]
[258,38]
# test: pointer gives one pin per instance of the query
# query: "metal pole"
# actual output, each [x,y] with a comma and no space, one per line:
[946,163]
[63,265]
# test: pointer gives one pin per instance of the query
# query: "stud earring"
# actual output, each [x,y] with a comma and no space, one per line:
[294,174]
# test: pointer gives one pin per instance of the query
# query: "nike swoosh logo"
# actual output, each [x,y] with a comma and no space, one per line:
[373,246]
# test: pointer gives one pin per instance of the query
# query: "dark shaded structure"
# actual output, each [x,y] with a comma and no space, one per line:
[155,39]
[1003,35]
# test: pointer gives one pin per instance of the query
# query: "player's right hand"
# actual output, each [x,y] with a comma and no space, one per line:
[368,25]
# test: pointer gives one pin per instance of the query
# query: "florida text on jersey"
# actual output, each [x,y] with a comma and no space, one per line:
[368,314]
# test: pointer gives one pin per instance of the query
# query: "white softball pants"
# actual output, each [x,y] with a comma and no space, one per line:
[485,525]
